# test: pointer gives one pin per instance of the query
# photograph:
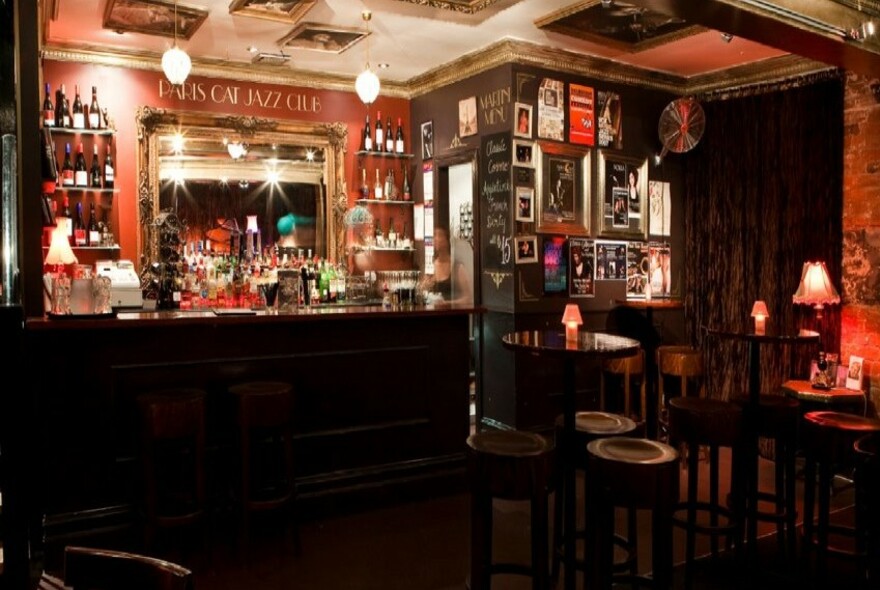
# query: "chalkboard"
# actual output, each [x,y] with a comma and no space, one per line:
[495,215]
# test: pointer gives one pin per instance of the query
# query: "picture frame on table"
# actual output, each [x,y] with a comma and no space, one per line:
[523,153]
[285,11]
[522,125]
[526,249]
[622,195]
[153,17]
[565,186]
[855,373]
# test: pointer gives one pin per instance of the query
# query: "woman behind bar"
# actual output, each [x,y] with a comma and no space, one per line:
[450,277]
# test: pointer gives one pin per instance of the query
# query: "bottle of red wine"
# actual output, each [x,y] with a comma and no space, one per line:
[398,147]
[389,139]
[65,212]
[49,176]
[95,170]
[406,190]
[380,138]
[79,227]
[80,173]
[109,169]
[94,234]
[94,111]
[62,109]
[67,176]
[79,116]
[368,136]
[48,109]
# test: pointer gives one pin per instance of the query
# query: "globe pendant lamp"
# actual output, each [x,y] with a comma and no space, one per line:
[367,83]
[175,62]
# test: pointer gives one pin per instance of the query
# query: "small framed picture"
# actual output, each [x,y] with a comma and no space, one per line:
[153,17]
[526,249]
[286,11]
[523,153]
[525,203]
[318,37]
[854,373]
[523,127]
[427,140]
[467,117]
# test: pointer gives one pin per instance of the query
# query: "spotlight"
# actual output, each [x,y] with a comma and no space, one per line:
[726,37]
[607,3]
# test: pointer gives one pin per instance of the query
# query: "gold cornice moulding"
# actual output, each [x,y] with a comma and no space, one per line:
[219,69]
[769,72]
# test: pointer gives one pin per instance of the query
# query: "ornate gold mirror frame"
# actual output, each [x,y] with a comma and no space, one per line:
[154,123]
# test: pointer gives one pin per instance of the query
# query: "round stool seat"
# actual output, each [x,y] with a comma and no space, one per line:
[600,423]
[509,461]
[704,421]
[260,388]
[679,360]
[632,450]
[831,435]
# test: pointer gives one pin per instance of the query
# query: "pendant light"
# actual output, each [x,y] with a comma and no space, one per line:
[175,62]
[367,83]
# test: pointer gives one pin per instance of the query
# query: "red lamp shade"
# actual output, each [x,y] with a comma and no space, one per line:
[760,309]
[572,314]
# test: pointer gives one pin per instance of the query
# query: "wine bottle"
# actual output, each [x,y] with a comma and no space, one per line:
[94,235]
[65,212]
[94,111]
[80,174]
[380,139]
[95,170]
[79,117]
[389,139]
[109,169]
[406,190]
[79,228]
[67,176]
[392,234]
[365,189]
[377,187]
[389,185]
[399,138]
[48,109]
[48,169]
[62,109]
[368,136]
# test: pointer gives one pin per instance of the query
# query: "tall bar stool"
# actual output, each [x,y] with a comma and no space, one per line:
[173,459]
[265,444]
[627,370]
[511,465]
[590,426]
[684,363]
[867,450]
[829,443]
[777,419]
[713,423]
[634,473]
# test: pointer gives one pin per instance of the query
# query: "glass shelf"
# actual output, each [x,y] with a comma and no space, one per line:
[84,189]
[96,248]
[69,131]
[362,153]
[384,202]
[383,249]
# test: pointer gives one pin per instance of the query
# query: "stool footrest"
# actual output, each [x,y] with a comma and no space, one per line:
[707,529]
[518,569]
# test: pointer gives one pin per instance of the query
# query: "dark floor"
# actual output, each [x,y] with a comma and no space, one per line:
[423,545]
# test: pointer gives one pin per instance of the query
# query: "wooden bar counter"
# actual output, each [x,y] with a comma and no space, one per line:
[381,401]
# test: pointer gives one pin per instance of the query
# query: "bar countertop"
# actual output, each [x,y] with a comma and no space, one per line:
[139,318]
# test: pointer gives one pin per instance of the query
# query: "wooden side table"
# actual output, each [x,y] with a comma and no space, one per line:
[837,398]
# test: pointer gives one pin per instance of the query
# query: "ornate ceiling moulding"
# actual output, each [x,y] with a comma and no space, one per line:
[465,6]
[216,68]
[764,76]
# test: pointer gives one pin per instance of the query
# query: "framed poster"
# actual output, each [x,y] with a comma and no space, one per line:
[609,120]
[427,140]
[526,249]
[523,122]
[153,17]
[582,262]
[467,117]
[610,261]
[523,153]
[564,185]
[623,187]
[659,269]
[525,204]
[555,265]
[636,270]
[318,37]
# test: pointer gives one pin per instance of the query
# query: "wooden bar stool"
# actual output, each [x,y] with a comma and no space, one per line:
[701,421]
[684,363]
[265,439]
[590,426]
[173,459]
[511,465]
[626,369]
[634,473]
[829,443]
[867,450]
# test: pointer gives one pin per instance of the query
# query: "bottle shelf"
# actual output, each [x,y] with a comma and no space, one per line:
[85,189]
[383,249]
[362,153]
[69,131]
[383,202]
[93,248]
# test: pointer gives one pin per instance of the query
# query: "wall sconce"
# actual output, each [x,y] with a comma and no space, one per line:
[367,84]
[760,313]
[572,319]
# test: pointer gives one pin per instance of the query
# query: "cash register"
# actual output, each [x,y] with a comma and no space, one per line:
[125,286]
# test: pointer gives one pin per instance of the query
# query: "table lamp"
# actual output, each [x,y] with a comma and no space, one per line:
[60,252]
[572,319]
[816,288]
[760,313]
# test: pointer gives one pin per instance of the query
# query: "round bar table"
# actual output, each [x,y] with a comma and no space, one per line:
[589,347]
[755,341]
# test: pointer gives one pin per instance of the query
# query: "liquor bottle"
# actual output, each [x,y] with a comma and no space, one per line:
[368,136]
[62,109]
[67,176]
[48,165]
[398,144]
[94,111]
[305,284]
[389,139]
[109,169]
[95,170]
[365,189]
[379,145]
[392,234]
[79,228]
[79,116]
[80,174]
[379,238]
[65,212]
[389,185]
[407,195]
[377,187]
[94,233]
[48,109]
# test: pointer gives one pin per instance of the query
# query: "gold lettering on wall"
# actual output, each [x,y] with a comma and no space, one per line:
[226,94]
[493,106]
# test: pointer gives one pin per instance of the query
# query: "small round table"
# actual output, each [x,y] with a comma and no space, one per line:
[590,346]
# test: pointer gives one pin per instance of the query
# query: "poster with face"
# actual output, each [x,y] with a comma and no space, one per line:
[582,263]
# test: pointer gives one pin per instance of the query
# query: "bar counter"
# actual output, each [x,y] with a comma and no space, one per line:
[381,401]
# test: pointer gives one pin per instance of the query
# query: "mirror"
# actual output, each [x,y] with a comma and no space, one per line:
[220,172]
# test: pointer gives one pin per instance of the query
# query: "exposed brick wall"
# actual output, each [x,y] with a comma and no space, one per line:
[860,313]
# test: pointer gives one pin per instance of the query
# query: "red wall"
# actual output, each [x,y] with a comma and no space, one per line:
[122,91]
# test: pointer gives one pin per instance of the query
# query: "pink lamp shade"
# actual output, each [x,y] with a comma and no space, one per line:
[59,248]
[760,313]
[572,319]
[816,288]
[252,224]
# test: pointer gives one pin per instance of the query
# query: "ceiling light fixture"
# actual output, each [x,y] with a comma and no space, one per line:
[175,62]
[367,83]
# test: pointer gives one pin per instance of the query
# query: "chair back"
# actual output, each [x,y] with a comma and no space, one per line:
[103,569]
